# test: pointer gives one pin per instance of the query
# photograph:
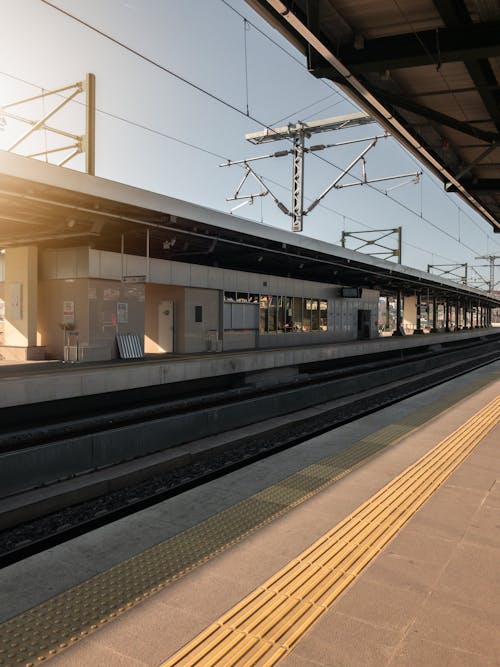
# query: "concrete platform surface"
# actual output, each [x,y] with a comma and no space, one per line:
[25,383]
[429,599]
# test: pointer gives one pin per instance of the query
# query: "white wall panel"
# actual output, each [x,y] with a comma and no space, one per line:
[181,274]
[134,266]
[160,271]
[198,276]
[110,266]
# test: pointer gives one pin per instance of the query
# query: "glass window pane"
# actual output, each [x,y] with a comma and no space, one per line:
[272,314]
[263,314]
[315,315]
[306,324]
[281,313]
[323,315]
[297,313]
[288,313]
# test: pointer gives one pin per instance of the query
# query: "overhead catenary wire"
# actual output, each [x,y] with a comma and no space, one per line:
[230,106]
[219,156]
[222,157]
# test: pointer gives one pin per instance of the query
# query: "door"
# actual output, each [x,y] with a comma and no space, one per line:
[166,326]
[364,318]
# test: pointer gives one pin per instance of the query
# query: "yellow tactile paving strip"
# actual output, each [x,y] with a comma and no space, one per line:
[52,626]
[267,624]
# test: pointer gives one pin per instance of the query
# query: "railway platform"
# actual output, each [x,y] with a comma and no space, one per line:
[36,381]
[404,564]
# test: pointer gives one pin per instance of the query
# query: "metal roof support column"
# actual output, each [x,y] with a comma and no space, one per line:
[434,315]
[446,315]
[457,314]
[387,314]
[419,329]
[399,331]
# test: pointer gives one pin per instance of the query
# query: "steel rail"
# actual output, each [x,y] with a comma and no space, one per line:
[240,454]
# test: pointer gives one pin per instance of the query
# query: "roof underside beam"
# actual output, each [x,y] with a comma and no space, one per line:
[455,16]
[396,99]
[478,185]
[428,47]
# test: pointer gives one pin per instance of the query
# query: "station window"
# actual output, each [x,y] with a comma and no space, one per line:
[306,324]
[323,315]
[297,313]
[272,314]
[289,326]
[263,313]
[282,314]
[229,296]
[314,315]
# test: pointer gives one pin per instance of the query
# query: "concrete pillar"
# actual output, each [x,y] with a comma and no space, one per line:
[21,290]
[410,312]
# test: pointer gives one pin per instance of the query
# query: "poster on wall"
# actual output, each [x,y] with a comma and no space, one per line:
[68,312]
[122,313]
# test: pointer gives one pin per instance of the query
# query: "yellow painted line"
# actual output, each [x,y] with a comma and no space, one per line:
[268,623]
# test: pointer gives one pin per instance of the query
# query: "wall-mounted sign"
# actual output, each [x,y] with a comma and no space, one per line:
[351,292]
[68,312]
[122,313]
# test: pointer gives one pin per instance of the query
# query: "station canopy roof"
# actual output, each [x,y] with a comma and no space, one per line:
[50,206]
[427,70]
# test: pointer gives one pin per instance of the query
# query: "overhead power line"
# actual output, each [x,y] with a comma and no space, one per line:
[232,107]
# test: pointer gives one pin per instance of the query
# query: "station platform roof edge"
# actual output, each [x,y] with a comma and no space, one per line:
[50,206]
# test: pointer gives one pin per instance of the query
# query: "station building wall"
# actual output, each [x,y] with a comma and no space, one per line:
[88,296]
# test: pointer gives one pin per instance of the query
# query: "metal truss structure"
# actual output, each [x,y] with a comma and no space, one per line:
[492,284]
[386,251]
[450,271]
[477,280]
[79,143]
[298,133]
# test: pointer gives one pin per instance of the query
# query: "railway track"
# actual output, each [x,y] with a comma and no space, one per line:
[44,532]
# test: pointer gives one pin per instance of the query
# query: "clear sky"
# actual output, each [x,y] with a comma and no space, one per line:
[167,126]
